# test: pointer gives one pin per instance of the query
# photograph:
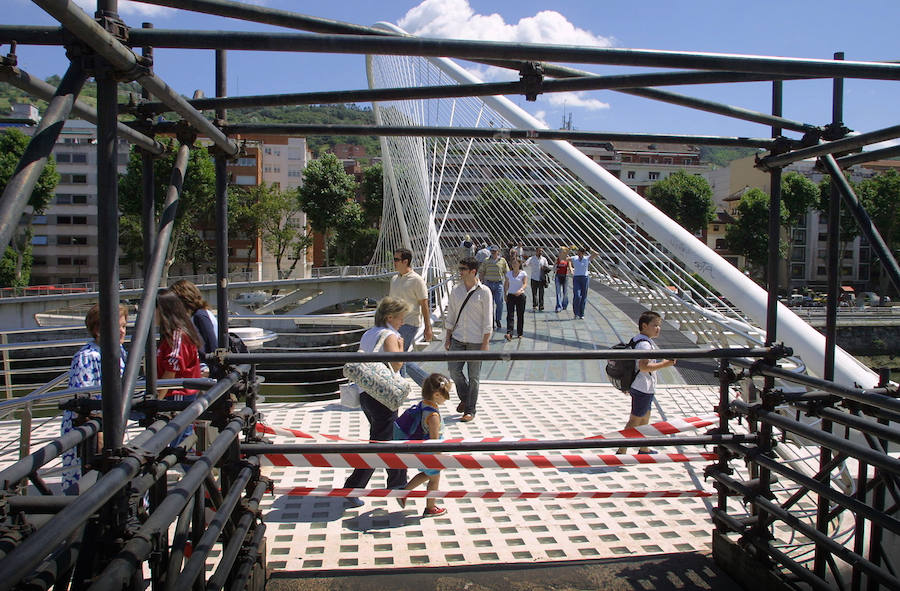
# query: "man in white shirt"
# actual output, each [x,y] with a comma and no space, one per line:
[535,266]
[469,324]
[483,254]
[409,286]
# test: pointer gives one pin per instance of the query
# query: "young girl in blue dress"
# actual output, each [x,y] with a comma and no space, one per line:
[435,392]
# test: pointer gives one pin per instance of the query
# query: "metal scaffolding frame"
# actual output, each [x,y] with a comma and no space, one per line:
[102,48]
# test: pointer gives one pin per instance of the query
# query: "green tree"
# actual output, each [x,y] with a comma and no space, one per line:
[506,211]
[881,197]
[325,194]
[373,193]
[749,235]
[686,198]
[275,213]
[352,236]
[195,208]
[15,266]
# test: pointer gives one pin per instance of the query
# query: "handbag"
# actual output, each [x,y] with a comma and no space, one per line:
[378,380]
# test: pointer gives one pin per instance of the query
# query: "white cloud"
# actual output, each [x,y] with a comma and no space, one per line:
[455,19]
[127,8]
[542,117]
[573,100]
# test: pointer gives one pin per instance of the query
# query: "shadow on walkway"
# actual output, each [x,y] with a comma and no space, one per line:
[689,570]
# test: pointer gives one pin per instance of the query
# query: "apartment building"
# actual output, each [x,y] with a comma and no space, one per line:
[807,264]
[64,237]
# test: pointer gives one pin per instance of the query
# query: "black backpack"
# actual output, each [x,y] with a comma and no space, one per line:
[621,372]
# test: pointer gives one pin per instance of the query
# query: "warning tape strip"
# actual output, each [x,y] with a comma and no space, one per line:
[472,461]
[302,491]
[662,428]
[651,430]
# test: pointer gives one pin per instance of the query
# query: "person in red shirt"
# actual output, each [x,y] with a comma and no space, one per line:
[176,356]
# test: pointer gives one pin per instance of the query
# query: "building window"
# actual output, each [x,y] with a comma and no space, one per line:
[79,219]
[821,271]
[39,262]
[63,199]
[715,228]
[798,253]
[653,176]
[720,244]
[798,271]
[823,236]
[848,254]
[645,160]
[268,150]
[38,220]
[39,240]
[631,174]
[63,260]
[63,157]
[243,179]
[78,158]
[79,261]
[800,235]
[63,219]
[246,162]
[79,199]
[276,169]
[75,240]
[667,161]
[79,179]
[847,271]
[294,173]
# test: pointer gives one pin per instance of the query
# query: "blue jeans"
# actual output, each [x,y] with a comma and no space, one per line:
[410,369]
[496,288]
[466,387]
[579,294]
[563,302]
[381,428]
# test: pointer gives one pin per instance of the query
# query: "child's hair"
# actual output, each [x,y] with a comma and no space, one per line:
[92,318]
[173,316]
[436,382]
[190,295]
[646,318]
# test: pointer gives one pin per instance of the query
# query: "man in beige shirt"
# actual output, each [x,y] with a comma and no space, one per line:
[468,326]
[409,286]
[491,273]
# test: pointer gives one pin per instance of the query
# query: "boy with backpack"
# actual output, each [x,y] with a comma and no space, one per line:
[423,421]
[643,386]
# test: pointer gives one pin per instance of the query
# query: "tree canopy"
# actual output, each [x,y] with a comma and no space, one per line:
[15,266]
[373,193]
[749,234]
[325,196]
[194,212]
[881,197]
[686,198]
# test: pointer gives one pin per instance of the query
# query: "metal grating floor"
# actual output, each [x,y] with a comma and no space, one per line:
[319,533]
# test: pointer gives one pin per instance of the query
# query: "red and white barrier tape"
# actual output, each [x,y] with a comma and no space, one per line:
[473,461]
[302,491]
[652,430]
[662,428]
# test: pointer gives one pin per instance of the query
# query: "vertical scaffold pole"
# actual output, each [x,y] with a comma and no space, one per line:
[221,210]
[148,222]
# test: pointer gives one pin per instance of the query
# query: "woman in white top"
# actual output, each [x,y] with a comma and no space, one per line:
[384,336]
[514,287]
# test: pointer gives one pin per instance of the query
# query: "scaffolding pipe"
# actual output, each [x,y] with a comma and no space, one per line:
[120,569]
[24,558]
[147,309]
[870,156]
[575,84]
[32,462]
[866,226]
[847,144]
[42,90]
[122,59]
[18,189]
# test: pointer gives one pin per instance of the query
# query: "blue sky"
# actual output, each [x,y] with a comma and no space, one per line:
[864,30]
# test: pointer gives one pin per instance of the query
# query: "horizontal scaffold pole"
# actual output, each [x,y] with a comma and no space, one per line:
[123,60]
[395,45]
[307,130]
[421,356]
[581,83]
[846,144]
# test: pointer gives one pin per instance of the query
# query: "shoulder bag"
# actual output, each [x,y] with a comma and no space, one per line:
[378,380]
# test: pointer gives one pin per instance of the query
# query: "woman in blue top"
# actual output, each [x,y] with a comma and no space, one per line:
[435,392]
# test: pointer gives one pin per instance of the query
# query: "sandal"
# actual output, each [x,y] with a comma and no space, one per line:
[508,337]
[433,511]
